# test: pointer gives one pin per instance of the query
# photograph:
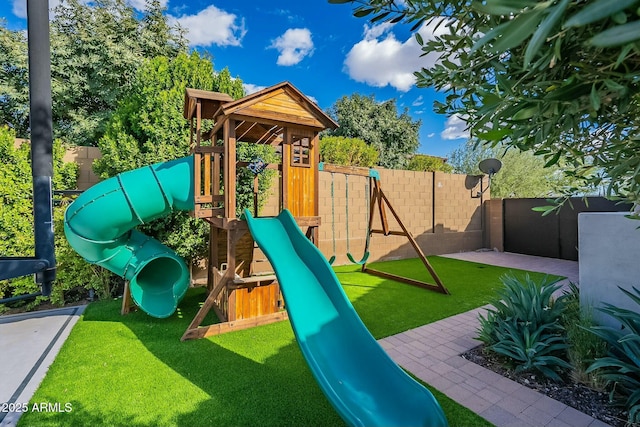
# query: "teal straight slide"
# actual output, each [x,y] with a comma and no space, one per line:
[360,380]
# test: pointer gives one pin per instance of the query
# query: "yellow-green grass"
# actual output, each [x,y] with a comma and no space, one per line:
[134,371]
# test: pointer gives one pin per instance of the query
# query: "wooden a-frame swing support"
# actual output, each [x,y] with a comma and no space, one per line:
[379,199]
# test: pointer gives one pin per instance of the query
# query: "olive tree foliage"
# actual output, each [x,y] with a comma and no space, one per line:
[394,135]
[149,127]
[522,174]
[96,48]
[559,78]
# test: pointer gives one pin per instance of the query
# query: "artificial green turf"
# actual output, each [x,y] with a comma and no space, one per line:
[134,371]
[388,307]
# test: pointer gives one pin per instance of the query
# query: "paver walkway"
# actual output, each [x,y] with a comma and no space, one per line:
[431,352]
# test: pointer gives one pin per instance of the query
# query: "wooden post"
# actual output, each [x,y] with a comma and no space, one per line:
[191,135]
[256,189]
[216,177]
[316,178]
[286,164]
[383,213]
[127,301]
[214,261]
[198,122]
[229,132]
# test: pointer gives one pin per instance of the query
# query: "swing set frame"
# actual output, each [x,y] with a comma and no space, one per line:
[379,200]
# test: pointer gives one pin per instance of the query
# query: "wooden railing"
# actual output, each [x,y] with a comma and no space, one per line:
[209,201]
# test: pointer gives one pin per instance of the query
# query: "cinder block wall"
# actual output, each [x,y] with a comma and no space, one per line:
[437,208]
[494,224]
[84,157]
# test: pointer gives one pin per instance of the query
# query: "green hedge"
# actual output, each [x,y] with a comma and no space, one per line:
[74,275]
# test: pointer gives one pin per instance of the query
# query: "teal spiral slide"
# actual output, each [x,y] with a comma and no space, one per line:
[100,223]
[362,382]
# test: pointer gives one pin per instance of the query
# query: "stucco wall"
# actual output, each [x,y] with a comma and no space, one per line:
[608,258]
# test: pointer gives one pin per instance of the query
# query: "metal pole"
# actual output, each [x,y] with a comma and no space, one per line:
[41,137]
[20,298]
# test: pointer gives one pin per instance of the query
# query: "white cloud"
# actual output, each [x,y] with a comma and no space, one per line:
[250,88]
[294,45]
[380,59]
[455,128]
[19,8]
[418,101]
[212,26]
[375,31]
[431,135]
[312,99]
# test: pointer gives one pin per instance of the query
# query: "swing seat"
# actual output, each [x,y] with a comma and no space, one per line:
[364,259]
[332,260]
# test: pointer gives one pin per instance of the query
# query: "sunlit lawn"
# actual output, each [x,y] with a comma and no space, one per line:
[134,371]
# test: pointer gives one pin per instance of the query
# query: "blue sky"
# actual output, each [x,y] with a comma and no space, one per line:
[320,48]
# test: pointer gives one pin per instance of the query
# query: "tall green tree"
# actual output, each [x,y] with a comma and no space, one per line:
[394,135]
[14,80]
[96,48]
[149,127]
[559,78]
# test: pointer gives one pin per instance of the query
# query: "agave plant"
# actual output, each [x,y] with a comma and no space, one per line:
[535,350]
[524,325]
[621,366]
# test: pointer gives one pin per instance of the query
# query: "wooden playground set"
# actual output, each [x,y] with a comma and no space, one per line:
[280,116]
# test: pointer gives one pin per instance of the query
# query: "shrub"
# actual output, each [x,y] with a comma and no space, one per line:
[621,366]
[75,276]
[524,325]
[584,346]
[16,210]
[16,226]
[425,163]
[348,151]
[247,152]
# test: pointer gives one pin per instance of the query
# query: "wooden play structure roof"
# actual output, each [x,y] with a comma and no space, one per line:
[261,116]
